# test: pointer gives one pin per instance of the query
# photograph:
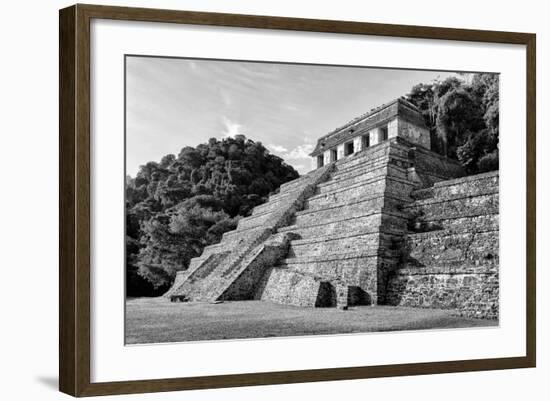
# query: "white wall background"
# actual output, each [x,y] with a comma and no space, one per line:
[28,200]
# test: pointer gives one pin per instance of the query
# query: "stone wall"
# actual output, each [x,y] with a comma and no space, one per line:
[471,292]
[451,256]
[428,167]
[291,288]
[414,133]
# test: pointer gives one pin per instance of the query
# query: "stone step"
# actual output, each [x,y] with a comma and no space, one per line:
[469,291]
[272,205]
[353,227]
[368,219]
[362,176]
[291,185]
[338,227]
[304,180]
[197,271]
[312,219]
[443,193]
[440,248]
[232,238]
[288,194]
[193,263]
[206,252]
[358,269]
[467,186]
[281,195]
[335,224]
[229,241]
[209,265]
[421,194]
[367,242]
[371,187]
[365,168]
[441,209]
[354,169]
[451,268]
[485,222]
[339,257]
[363,202]
[327,212]
[181,276]
[386,159]
[371,153]
[212,248]
[254,220]
[383,149]
[278,195]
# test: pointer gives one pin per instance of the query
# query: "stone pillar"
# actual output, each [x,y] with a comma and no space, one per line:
[342,296]
[314,163]
[357,144]
[341,151]
[374,137]
[326,156]
[393,128]
[380,134]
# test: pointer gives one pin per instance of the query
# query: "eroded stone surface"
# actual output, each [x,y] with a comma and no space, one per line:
[452,261]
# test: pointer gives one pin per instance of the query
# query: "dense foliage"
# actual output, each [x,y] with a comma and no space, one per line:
[178,206]
[463,117]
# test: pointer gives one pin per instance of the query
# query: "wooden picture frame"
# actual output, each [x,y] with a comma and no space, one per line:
[74,199]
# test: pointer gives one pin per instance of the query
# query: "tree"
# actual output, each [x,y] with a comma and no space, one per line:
[170,240]
[463,118]
[178,206]
[423,96]
[458,116]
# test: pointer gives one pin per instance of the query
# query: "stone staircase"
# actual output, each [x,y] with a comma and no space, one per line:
[221,271]
[451,249]
[348,233]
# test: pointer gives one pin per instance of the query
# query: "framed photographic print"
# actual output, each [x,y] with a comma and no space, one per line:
[250,200]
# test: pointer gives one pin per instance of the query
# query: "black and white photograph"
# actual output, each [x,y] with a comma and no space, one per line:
[278,199]
[275,200]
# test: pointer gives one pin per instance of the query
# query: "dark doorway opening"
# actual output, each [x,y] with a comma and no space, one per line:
[326,297]
[365,141]
[383,133]
[348,148]
[357,296]
[320,161]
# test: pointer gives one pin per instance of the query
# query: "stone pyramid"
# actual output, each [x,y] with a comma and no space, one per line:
[386,224]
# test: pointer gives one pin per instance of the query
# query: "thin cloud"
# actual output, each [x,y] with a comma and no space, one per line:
[300,152]
[277,148]
[231,128]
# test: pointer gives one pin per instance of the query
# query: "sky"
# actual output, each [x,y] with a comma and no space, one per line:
[172,103]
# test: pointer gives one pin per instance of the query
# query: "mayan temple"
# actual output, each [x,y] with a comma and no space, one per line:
[380,220]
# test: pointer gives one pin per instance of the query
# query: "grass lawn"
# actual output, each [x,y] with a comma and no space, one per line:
[156,320]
